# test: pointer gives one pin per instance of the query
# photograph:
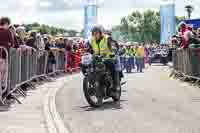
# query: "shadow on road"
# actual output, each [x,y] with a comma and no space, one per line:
[4,108]
[108,105]
[124,90]
[158,64]
[129,72]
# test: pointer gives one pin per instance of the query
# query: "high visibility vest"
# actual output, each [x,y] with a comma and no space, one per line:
[129,52]
[134,51]
[101,48]
[140,52]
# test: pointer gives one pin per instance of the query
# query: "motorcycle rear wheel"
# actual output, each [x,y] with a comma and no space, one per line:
[89,98]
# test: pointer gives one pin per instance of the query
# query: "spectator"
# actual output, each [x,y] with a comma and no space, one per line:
[14,34]
[185,33]
[69,56]
[150,55]
[51,59]
[40,43]
[61,43]
[74,49]
[174,41]
[139,57]
[47,43]
[6,37]
[146,54]
[21,38]
[6,41]
[21,35]
[32,40]
[198,33]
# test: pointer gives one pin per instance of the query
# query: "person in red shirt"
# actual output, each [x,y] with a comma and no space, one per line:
[185,33]
[6,41]
[6,37]
[78,57]
[69,56]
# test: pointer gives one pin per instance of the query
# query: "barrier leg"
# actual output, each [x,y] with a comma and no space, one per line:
[15,98]
[20,90]
[196,82]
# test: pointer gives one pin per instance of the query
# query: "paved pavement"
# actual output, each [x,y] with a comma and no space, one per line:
[151,103]
[26,117]
[32,116]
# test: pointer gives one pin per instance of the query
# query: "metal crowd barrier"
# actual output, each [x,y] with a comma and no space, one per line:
[20,66]
[3,72]
[187,62]
[60,61]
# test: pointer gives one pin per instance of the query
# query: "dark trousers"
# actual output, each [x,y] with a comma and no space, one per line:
[110,65]
[132,62]
[139,63]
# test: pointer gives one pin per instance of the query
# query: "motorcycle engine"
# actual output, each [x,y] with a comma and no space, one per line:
[100,67]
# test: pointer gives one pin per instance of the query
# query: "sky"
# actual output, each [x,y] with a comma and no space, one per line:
[69,13]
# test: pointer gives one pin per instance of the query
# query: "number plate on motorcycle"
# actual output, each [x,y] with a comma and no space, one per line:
[86,59]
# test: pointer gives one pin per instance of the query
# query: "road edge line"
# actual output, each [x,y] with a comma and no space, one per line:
[53,120]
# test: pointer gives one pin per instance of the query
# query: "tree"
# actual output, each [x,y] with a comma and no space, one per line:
[35,24]
[179,19]
[53,31]
[140,27]
[82,33]
[72,33]
[46,29]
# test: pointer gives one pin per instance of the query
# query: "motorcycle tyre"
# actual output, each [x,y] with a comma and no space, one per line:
[87,96]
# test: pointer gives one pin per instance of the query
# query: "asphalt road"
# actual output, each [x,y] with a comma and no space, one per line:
[151,103]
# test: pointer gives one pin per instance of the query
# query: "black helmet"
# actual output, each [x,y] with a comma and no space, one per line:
[97,29]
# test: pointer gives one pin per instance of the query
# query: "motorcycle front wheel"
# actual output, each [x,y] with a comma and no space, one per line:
[117,96]
[118,93]
[90,93]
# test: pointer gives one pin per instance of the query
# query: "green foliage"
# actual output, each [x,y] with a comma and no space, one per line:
[140,27]
[72,33]
[46,29]
[179,19]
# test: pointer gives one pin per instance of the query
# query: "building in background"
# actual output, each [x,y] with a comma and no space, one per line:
[167,16]
[90,17]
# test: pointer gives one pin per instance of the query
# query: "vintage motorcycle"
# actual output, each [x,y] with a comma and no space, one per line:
[98,84]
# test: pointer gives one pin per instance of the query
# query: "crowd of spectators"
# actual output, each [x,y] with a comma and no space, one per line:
[186,37]
[16,36]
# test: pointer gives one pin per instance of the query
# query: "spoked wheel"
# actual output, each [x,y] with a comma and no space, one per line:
[91,93]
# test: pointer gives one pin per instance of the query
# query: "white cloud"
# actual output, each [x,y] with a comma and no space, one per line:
[69,13]
[45,3]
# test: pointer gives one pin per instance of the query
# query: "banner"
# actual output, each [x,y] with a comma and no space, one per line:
[167,18]
[90,17]
[195,23]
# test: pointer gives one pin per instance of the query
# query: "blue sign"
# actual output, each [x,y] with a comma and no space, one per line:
[167,18]
[90,20]
[194,22]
